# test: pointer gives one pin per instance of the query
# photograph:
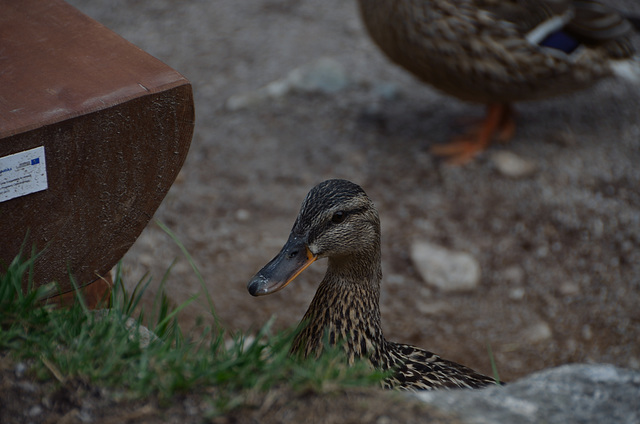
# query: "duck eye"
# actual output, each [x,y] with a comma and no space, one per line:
[338,217]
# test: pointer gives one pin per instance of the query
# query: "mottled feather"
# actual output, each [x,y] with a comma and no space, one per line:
[346,305]
[493,51]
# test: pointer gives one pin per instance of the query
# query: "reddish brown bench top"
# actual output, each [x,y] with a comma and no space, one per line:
[115,124]
[56,63]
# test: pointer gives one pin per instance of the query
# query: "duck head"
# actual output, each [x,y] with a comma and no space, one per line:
[336,220]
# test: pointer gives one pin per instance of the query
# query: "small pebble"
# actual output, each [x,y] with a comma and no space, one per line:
[385,90]
[513,166]
[434,308]
[325,75]
[243,215]
[20,369]
[514,275]
[538,332]
[35,411]
[27,386]
[517,293]
[569,288]
[395,280]
[586,332]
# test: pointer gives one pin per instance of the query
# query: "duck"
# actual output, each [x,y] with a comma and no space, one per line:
[338,221]
[497,52]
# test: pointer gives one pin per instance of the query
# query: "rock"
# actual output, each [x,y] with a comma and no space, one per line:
[35,410]
[537,332]
[243,215]
[516,293]
[326,75]
[138,332]
[511,165]
[230,344]
[569,288]
[434,308]
[445,269]
[587,334]
[514,275]
[385,90]
[568,394]
[20,369]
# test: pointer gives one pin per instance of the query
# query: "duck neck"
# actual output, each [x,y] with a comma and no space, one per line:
[345,309]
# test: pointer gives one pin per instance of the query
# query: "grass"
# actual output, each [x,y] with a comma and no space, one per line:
[494,366]
[76,344]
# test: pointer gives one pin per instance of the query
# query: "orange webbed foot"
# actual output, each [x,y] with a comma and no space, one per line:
[499,124]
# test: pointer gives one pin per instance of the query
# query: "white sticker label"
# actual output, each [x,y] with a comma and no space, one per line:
[22,173]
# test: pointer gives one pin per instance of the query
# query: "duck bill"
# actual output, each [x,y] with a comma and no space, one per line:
[294,258]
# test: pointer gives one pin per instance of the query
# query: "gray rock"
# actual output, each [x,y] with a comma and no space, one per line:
[445,269]
[511,165]
[140,333]
[568,394]
[136,331]
[569,288]
[20,369]
[517,293]
[434,308]
[326,75]
[537,332]
[514,275]
[385,90]
[35,410]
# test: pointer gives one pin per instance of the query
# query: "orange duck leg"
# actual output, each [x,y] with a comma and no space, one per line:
[499,125]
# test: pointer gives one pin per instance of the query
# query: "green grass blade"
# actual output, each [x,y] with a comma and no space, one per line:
[194,267]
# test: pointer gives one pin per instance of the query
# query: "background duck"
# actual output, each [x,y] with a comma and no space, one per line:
[338,221]
[497,52]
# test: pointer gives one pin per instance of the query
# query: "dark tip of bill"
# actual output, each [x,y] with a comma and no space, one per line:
[254,285]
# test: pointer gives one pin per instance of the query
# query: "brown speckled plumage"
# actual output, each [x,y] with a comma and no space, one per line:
[479,50]
[337,220]
[497,52]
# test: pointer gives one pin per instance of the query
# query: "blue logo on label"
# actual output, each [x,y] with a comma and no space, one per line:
[35,161]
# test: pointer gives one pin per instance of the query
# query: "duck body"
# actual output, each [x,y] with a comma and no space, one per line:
[497,52]
[337,220]
[488,51]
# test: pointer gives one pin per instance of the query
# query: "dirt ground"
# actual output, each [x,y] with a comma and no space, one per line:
[25,400]
[559,249]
